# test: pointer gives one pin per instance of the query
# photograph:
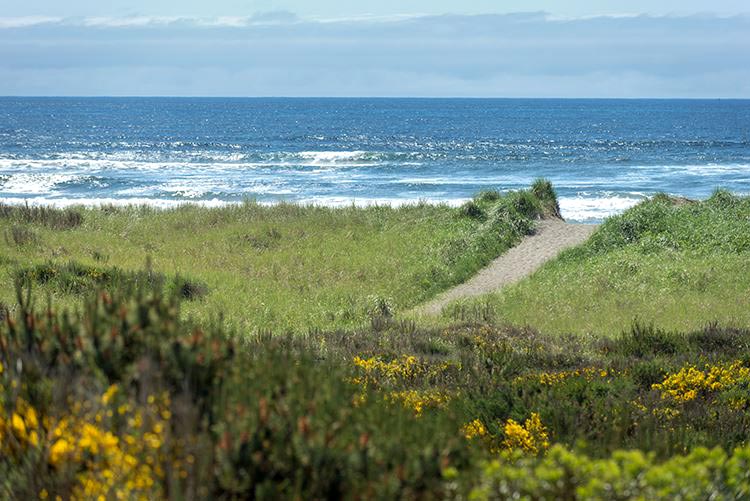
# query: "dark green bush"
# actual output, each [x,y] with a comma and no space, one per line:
[189,289]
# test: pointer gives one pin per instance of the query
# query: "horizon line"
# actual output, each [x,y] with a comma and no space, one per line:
[165,96]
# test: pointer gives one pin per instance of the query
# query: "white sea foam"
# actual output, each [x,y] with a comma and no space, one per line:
[35,184]
[343,201]
[333,156]
[589,209]
[186,161]
[576,209]
[119,202]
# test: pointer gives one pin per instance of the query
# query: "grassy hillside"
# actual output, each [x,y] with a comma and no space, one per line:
[677,264]
[280,268]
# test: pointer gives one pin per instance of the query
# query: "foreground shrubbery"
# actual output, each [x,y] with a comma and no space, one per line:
[129,400]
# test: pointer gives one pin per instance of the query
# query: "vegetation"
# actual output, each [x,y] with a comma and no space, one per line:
[127,399]
[284,268]
[676,263]
[115,383]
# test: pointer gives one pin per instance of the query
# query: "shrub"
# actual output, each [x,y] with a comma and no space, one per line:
[127,386]
[76,278]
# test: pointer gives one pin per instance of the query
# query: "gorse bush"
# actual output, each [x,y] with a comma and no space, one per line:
[127,399]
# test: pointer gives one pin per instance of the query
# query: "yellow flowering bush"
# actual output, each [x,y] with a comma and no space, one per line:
[105,464]
[552,378]
[417,401]
[474,430]
[19,429]
[406,367]
[690,382]
[379,374]
[530,437]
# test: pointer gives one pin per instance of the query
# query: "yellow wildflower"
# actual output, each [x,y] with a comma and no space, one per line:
[474,429]
[530,437]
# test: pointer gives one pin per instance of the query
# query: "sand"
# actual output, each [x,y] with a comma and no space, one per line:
[549,239]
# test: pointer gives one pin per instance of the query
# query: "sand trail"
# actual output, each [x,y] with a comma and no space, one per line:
[550,238]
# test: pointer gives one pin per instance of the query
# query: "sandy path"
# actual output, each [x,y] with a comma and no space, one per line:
[551,237]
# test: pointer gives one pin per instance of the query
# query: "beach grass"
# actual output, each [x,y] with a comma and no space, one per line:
[282,268]
[677,264]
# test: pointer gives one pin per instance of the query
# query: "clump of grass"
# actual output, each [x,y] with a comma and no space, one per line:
[264,240]
[542,189]
[76,278]
[56,219]
[99,257]
[723,199]
[21,235]
[189,289]
[645,339]
[487,196]
[472,210]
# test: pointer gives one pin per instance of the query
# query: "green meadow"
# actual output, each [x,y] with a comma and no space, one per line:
[279,268]
[676,264]
[255,352]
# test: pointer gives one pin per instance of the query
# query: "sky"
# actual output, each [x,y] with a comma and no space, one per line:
[474,48]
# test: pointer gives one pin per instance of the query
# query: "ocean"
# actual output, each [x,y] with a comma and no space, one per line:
[602,156]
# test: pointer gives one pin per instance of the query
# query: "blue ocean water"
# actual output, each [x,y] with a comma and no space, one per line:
[602,155]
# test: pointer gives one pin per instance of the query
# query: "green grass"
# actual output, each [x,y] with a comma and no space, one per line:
[679,265]
[280,268]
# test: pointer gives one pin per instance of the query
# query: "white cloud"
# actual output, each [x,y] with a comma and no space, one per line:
[27,21]
[526,54]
